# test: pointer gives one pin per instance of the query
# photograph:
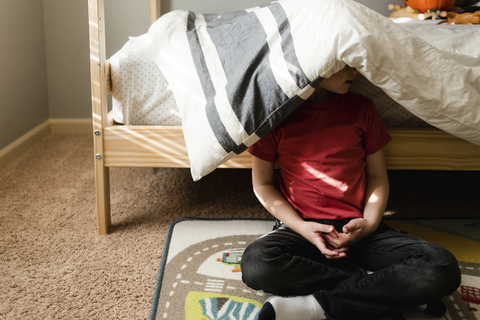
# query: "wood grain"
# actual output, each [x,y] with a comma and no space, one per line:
[99,85]
[154,146]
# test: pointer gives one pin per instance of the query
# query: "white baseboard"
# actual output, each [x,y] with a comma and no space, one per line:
[46,128]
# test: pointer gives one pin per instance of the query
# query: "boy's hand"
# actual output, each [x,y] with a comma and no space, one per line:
[316,233]
[353,231]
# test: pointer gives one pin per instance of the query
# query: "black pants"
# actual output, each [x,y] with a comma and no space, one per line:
[407,272]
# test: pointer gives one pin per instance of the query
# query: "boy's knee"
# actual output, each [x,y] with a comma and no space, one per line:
[446,270]
[249,263]
[453,271]
[255,267]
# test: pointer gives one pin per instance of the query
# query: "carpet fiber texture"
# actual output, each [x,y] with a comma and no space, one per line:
[200,277]
[53,265]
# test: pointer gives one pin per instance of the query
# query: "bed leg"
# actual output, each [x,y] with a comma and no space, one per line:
[98,73]
[102,181]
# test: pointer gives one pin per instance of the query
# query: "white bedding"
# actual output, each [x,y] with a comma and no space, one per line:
[142,96]
[230,92]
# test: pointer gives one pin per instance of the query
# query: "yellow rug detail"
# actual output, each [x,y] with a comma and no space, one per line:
[464,249]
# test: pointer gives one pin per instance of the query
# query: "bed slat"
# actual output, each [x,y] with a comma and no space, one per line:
[430,149]
[149,146]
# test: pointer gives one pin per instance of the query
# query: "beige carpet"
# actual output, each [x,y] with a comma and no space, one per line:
[54,266]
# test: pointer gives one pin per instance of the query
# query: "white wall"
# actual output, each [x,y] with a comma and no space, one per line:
[45,70]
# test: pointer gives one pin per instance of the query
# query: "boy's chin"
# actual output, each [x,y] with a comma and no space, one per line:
[342,90]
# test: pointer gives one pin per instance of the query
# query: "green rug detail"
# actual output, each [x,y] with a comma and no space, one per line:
[199,277]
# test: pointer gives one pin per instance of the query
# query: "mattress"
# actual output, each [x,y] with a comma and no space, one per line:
[142,96]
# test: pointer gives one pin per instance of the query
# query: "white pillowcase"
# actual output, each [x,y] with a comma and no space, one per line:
[140,93]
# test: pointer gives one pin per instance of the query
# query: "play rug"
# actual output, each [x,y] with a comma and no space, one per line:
[200,278]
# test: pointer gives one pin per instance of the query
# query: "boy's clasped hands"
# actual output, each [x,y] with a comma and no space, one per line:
[334,244]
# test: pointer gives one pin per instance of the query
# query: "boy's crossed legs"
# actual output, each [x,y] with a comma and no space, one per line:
[408,272]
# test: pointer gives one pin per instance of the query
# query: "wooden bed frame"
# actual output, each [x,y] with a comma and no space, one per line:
[163,146]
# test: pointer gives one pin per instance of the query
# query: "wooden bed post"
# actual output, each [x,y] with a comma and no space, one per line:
[98,71]
[154,11]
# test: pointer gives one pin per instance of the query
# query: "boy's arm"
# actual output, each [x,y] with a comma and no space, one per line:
[272,199]
[377,190]
[376,197]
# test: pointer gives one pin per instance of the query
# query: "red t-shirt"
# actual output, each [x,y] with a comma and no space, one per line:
[321,149]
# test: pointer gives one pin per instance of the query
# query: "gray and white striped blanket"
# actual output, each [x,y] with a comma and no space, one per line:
[236,76]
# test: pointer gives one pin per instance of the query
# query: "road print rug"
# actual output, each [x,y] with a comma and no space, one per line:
[199,277]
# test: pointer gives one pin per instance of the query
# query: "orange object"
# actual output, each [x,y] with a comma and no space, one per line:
[425,5]
[464,18]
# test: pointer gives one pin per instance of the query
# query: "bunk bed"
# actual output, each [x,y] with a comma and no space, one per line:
[127,145]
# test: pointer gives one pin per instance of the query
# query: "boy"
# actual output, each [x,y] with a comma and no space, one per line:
[329,232]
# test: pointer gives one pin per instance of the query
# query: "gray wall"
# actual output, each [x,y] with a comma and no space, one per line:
[125,18]
[23,72]
[68,64]
[45,69]
[215,6]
